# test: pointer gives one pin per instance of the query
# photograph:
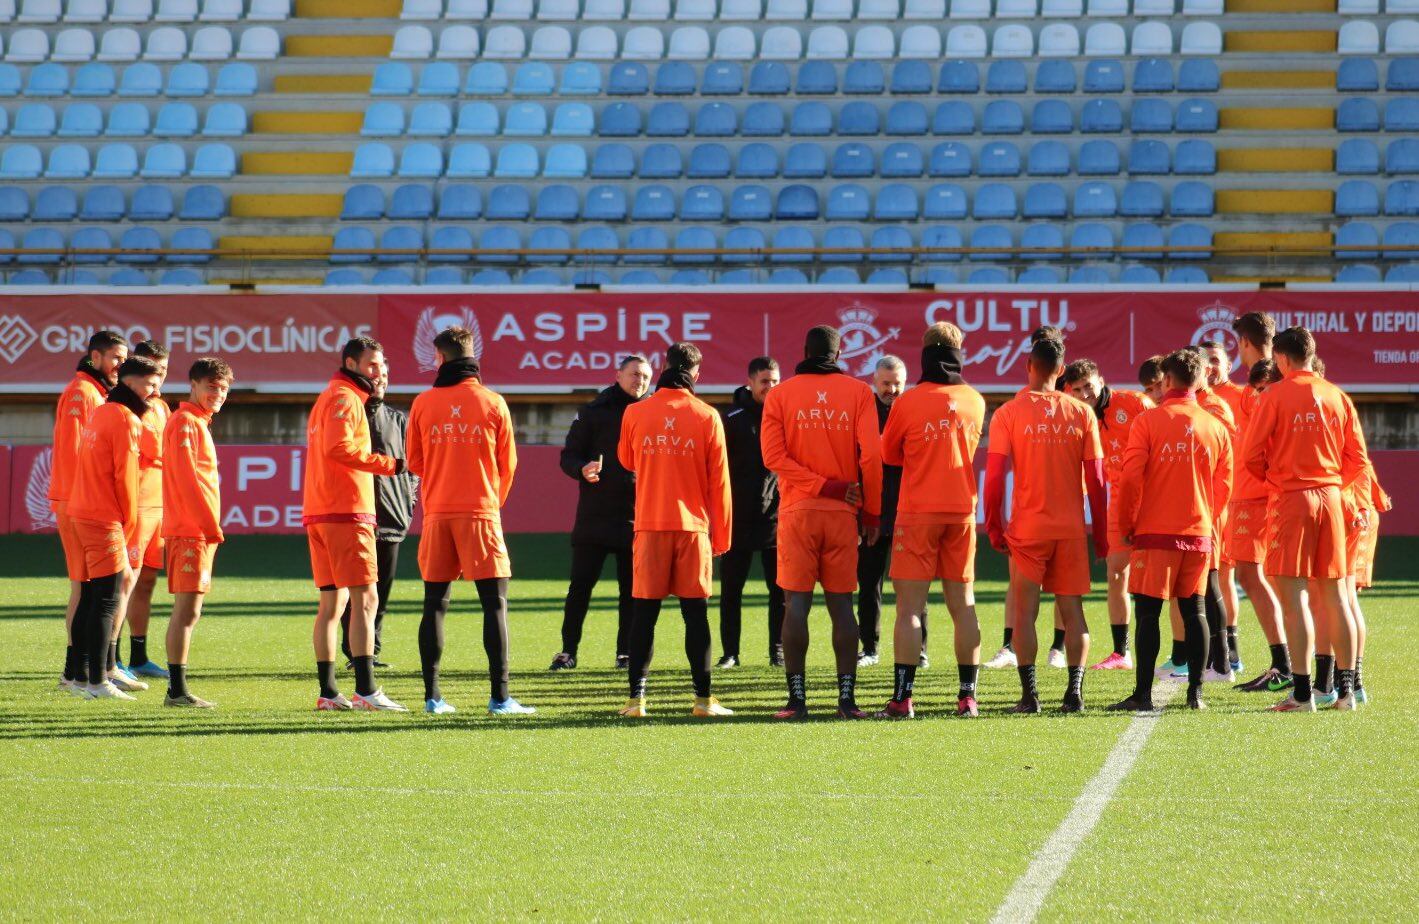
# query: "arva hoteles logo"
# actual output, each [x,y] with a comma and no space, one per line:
[16,336]
[431,323]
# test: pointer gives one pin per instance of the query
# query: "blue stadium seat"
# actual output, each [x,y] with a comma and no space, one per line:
[689,277]
[995,200]
[1148,158]
[859,118]
[940,276]
[1356,234]
[1357,197]
[191,239]
[722,78]
[1095,200]
[1358,273]
[438,78]
[789,237]
[853,159]
[1153,75]
[119,162]
[751,202]
[10,82]
[848,202]
[236,78]
[640,278]
[756,161]
[533,78]
[1101,117]
[667,120]
[1006,76]
[950,158]
[1093,235]
[93,79]
[1142,199]
[999,158]
[1198,75]
[1196,116]
[1402,115]
[628,78]
[1192,199]
[1040,275]
[1357,156]
[373,160]
[140,79]
[958,77]
[768,78]
[344,277]
[1151,115]
[1402,198]
[646,239]
[509,202]
[565,161]
[896,202]
[135,241]
[580,78]
[14,204]
[127,120]
[660,162]
[363,202]
[103,203]
[805,161]
[525,120]
[558,202]
[56,203]
[392,78]
[225,120]
[902,159]
[91,239]
[491,277]
[613,162]
[34,120]
[203,203]
[763,120]
[1358,75]
[573,120]
[847,239]
[128,277]
[48,79]
[1142,234]
[1051,116]
[694,239]
[619,120]
[1003,116]
[945,201]
[1357,114]
[1401,234]
[180,277]
[892,243]
[460,202]
[1136,274]
[1190,234]
[68,162]
[945,237]
[542,276]
[1402,76]
[1090,276]
[37,277]
[1045,200]
[1103,75]
[1195,158]
[1055,76]
[176,120]
[716,120]
[907,118]
[421,161]
[708,162]
[1047,158]
[909,76]
[796,202]
[412,202]
[702,203]
[674,78]
[653,203]
[80,120]
[461,239]
[838,276]
[605,203]
[392,277]
[991,236]
[383,120]
[151,203]
[817,78]
[1186,275]
[1405,272]
[486,78]
[188,79]
[953,117]
[477,120]
[810,119]
[737,277]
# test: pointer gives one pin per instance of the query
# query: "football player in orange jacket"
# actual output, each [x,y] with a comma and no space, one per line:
[146,557]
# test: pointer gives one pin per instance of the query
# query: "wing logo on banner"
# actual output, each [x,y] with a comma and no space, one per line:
[1216,324]
[37,492]
[861,338]
[432,323]
[16,336]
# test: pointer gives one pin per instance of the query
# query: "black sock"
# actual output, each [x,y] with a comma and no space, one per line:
[1028,690]
[364,674]
[1149,613]
[1076,682]
[177,680]
[112,654]
[137,650]
[1179,656]
[1281,658]
[902,681]
[797,693]
[644,614]
[698,645]
[1359,677]
[492,596]
[325,671]
[847,689]
[1120,634]
[1344,681]
[1058,643]
[1233,652]
[1009,637]
[436,595]
[1195,636]
[1325,673]
[1216,626]
[1302,689]
[967,674]
[69,672]
[103,608]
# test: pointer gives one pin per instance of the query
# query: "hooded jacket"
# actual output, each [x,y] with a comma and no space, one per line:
[891,474]
[605,510]
[394,495]
[754,487]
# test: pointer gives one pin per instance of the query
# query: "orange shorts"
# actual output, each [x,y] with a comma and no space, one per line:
[463,546]
[1059,566]
[817,547]
[671,563]
[69,539]
[191,571]
[105,550]
[1117,543]
[934,547]
[342,554]
[1246,531]
[1307,535]
[1221,558]
[146,548]
[1360,545]
[1167,573]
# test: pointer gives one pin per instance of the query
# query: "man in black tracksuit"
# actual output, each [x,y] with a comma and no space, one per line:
[755,499]
[394,497]
[605,508]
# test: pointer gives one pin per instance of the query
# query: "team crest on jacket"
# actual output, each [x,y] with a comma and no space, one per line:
[431,323]
[1216,324]
[862,339]
[37,491]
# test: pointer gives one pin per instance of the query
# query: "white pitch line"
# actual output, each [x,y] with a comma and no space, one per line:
[1027,896]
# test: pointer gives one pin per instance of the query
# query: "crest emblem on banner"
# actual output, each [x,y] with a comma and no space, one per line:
[16,336]
[1216,324]
[861,338]
[431,323]
[37,491]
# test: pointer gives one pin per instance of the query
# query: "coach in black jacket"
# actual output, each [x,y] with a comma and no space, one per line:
[394,497]
[755,502]
[605,507]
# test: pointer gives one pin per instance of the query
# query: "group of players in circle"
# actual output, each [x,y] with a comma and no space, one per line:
[1192,485]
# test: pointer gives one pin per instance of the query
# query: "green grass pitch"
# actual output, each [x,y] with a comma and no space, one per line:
[265,809]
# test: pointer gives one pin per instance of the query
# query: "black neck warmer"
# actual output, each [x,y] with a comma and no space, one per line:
[1101,406]
[122,394]
[941,365]
[674,377]
[87,368]
[457,370]
[361,381]
[818,365]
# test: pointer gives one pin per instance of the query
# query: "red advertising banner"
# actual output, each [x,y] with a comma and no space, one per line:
[551,341]
[273,342]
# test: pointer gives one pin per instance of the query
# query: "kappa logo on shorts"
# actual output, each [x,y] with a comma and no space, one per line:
[431,323]
[188,569]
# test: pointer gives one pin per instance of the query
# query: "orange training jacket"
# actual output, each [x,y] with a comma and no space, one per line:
[1304,433]
[192,498]
[150,454]
[932,433]
[78,400]
[674,442]
[821,431]
[1048,436]
[106,481]
[460,444]
[340,468]
[1177,471]
[1115,425]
